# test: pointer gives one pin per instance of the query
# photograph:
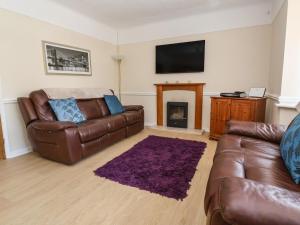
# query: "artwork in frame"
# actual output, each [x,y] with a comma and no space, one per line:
[257,92]
[66,60]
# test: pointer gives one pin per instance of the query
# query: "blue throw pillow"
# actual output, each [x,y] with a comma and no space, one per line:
[113,104]
[67,110]
[290,149]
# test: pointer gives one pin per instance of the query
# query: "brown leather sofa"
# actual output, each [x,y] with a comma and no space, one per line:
[67,142]
[249,183]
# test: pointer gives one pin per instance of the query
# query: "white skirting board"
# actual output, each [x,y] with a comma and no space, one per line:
[19,152]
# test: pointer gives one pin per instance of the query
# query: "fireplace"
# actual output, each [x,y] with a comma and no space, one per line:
[177,114]
[195,87]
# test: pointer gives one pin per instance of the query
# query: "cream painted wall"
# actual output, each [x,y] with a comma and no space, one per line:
[291,70]
[236,59]
[272,111]
[284,66]
[277,51]
[276,64]
[22,67]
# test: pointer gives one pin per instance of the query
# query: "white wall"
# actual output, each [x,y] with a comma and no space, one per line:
[236,59]
[284,67]
[276,64]
[22,68]
[277,51]
[291,69]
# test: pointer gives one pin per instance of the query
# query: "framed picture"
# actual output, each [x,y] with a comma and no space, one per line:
[257,92]
[66,60]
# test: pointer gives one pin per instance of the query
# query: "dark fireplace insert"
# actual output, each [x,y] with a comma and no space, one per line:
[177,114]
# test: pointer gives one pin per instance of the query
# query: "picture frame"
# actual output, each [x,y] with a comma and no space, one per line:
[62,59]
[257,92]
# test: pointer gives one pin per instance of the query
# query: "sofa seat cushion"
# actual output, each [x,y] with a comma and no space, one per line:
[132,117]
[251,159]
[115,122]
[92,129]
[253,167]
[276,177]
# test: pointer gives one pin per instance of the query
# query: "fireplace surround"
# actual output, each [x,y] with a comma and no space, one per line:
[195,87]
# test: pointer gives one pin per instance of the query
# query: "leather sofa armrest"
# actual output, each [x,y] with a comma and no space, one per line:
[58,141]
[268,132]
[133,107]
[53,125]
[246,202]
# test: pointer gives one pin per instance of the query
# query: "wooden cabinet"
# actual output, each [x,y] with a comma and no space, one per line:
[225,109]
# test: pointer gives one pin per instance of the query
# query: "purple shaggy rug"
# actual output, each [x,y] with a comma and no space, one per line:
[157,164]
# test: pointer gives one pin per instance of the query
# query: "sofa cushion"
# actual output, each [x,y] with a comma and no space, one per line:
[90,108]
[103,107]
[132,107]
[115,122]
[290,149]
[132,117]
[114,105]
[42,106]
[248,158]
[92,129]
[255,146]
[67,110]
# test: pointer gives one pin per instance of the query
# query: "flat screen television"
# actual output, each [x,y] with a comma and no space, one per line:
[186,57]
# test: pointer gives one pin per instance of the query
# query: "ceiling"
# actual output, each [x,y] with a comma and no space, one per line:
[128,13]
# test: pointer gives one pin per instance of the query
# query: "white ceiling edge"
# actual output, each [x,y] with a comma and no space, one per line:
[62,16]
[197,24]
[51,12]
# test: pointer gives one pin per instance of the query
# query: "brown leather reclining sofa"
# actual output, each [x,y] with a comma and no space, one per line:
[249,183]
[67,142]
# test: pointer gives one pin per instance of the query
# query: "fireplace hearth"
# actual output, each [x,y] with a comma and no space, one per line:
[177,114]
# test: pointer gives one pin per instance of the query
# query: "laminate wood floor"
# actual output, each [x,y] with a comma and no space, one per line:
[35,191]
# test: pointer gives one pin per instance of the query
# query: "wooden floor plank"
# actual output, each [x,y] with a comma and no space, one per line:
[35,191]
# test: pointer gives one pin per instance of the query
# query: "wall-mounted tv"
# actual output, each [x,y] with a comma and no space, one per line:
[186,57]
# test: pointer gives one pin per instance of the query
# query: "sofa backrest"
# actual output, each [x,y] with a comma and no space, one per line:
[93,108]
[41,105]
[27,110]
[36,107]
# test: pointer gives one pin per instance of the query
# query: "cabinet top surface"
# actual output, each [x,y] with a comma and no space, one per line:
[243,98]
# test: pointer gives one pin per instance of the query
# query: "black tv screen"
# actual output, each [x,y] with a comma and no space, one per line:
[187,57]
